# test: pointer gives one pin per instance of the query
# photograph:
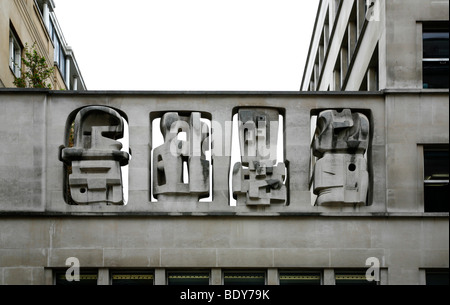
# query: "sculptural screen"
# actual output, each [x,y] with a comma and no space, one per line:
[95,158]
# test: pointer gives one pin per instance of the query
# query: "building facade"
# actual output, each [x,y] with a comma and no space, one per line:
[375,45]
[33,22]
[126,211]
[218,188]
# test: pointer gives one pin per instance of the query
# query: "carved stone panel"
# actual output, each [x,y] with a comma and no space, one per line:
[170,158]
[259,179]
[340,143]
[95,159]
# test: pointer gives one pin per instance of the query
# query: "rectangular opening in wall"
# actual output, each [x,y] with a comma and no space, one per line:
[307,278]
[15,52]
[181,160]
[436,178]
[188,278]
[132,277]
[371,78]
[244,278]
[435,64]
[437,277]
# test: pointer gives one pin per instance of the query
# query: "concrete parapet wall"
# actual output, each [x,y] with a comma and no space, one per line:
[39,229]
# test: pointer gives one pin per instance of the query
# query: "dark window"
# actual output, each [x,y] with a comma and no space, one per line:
[188,278]
[132,278]
[437,277]
[357,277]
[244,278]
[435,55]
[436,168]
[299,278]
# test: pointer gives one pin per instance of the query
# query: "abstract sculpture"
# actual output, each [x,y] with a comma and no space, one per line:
[340,142]
[96,157]
[169,158]
[258,179]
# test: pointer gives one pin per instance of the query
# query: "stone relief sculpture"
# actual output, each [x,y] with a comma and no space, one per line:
[96,157]
[169,158]
[340,142]
[258,179]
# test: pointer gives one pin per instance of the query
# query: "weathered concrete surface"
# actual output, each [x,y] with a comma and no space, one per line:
[403,246]
[45,118]
[39,230]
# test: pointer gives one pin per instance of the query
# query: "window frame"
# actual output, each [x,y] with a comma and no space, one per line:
[15,53]
[300,273]
[357,276]
[431,27]
[200,273]
[244,272]
[146,274]
[422,148]
[88,274]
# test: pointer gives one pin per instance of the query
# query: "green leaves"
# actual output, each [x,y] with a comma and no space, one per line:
[36,71]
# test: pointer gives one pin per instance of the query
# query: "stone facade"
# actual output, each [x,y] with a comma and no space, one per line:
[384,131]
[34,22]
[370,45]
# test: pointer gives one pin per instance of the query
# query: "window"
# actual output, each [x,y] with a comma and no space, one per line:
[436,167]
[437,277]
[244,278]
[370,81]
[356,277]
[435,55]
[188,278]
[86,278]
[59,55]
[299,278]
[15,54]
[132,278]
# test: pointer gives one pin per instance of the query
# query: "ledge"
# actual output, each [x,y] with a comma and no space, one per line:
[222,93]
[189,93]
[226,214]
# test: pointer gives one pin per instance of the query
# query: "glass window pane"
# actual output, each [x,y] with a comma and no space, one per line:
[436,198]
[15,54]
[435,45]
[435,54]
[437,278]
[188,278]
[436,177]
[435,74]
[244,278]
[132,278]
[86,278]
[299,278]
[436,164]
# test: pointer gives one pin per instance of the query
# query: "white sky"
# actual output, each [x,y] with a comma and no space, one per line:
[251,45]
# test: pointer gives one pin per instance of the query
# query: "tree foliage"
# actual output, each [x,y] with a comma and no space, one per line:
[36,71]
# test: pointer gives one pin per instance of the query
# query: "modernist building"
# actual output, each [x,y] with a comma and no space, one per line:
[223,188]
[378,45]
[33,22]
